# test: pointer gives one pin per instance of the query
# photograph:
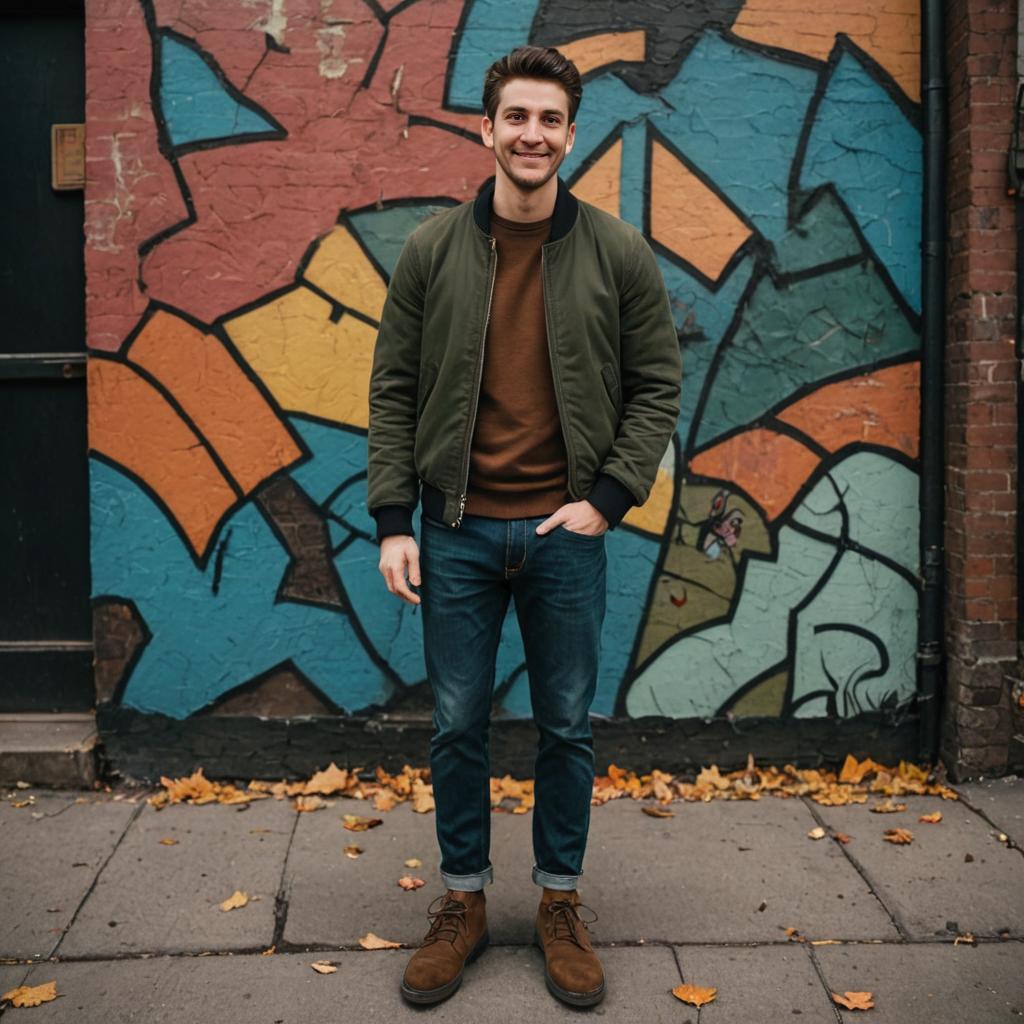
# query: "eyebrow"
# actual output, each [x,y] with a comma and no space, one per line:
[523,110]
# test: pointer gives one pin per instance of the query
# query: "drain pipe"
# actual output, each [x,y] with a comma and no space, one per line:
[1016,189]
[931,679]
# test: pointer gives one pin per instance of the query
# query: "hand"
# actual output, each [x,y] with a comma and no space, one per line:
[397,553]
[577,516]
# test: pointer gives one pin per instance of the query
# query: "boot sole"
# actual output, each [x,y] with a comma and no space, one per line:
[426,996]
[572,998]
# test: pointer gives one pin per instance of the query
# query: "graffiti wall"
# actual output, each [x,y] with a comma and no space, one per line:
[253,169]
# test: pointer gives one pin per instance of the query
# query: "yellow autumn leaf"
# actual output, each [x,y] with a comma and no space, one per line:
[357,823]
[331,780]
[270,951]
[654,811]
[371,941]
[385,800]
[323,967]
[816,833]
[414,862]
[168,842]
[309,803]
[25,995]
[887,807]
[854,1000]
[932,819]
[235,900]
[900,836]
[422,796]
[694,994]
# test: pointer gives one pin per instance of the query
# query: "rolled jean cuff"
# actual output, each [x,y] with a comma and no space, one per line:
[469,883]
[564,883]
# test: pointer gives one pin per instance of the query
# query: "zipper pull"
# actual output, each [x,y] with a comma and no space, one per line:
[462,508]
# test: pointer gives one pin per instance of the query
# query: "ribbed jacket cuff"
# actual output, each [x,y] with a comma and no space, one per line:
[611,499]
[392,520]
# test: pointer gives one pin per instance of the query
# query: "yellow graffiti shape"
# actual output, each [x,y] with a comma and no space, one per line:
[597,51]
[600,184]
[309,364]
[342,269]
[887,30]
[688,218]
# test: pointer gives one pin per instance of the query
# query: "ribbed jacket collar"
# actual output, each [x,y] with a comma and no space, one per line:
[562,219]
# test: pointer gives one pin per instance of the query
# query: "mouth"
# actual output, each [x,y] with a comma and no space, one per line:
[532,157]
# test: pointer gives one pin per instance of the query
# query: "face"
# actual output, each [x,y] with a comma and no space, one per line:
[530,133]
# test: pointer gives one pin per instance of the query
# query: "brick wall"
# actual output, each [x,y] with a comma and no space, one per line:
[981,412]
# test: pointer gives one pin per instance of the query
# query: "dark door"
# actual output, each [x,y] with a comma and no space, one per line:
[45,632]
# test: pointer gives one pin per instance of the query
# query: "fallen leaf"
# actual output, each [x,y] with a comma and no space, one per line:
[169,842]
[323,967]
[331,780]
[24,803]
[414,862]
[353,851]
[966,937]
[816,833]
[356,823]
[854,1000]
[409,883]
[826,942]
[25,995]
[371,941]
[694,994]
[899,836]
[932,819]
[422,796]
[657,812]
[235,900]
[269,952]
[309,803]
[841,837]
[385,800]
[887,807]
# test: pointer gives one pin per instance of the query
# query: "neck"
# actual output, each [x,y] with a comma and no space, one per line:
[514,203]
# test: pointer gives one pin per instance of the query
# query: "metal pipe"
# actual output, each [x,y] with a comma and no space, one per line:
[930,654]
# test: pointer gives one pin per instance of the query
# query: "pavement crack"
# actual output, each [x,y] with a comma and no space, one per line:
[281,898]
[81,903]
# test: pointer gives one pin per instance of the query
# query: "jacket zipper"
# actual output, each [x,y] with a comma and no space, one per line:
[479,380]
[558,383]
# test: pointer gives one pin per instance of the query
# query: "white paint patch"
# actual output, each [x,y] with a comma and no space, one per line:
[330,41]
[274,23]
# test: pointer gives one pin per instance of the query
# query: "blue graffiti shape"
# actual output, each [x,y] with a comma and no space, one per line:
[207,640]
[200,107]
[863,143]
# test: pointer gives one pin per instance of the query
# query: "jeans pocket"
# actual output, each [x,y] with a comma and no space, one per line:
[586,537]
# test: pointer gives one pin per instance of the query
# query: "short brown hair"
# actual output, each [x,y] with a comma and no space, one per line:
[543,62]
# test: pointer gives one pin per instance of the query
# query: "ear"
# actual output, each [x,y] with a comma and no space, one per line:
[487,131]
[570,138]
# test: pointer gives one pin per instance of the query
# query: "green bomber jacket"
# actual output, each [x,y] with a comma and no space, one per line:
[614,350]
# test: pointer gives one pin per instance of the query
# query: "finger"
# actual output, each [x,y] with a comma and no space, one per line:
[414,568]
[389,579]
[403,590]
[551,522]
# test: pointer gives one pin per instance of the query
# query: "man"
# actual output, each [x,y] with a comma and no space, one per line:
[526,377]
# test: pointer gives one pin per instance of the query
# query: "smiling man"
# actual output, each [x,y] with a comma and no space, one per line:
[525,386]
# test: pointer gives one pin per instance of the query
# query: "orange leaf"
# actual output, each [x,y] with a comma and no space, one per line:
[309,803]
[25,995]
[323,967]
[331,780]
[414,862]
[270,951]
[408,883]
[841,837]
[932,819]
[694,994]
[235,900]
[422,796]
[371,941]
[888,807]
[168,842]
[657,812]
[854,1000]
[357,823]
[898,835]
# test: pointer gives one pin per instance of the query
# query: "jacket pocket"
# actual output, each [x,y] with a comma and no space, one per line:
[611,385]
[428,377]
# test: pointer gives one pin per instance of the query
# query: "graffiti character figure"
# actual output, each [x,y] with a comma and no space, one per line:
[722,527]
[525,383]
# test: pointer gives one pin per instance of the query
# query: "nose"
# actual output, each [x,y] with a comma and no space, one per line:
[531,131]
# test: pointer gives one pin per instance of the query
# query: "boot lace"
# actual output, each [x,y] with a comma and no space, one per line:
[564,920]
[446,920]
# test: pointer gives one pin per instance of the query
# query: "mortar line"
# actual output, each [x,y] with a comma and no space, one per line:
[819,971]
[981,814]
[860,869]
[103,867]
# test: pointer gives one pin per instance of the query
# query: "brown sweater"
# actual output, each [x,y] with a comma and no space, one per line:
[517,462]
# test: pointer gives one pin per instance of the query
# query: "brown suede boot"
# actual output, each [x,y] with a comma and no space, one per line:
[457,936]
[571,968]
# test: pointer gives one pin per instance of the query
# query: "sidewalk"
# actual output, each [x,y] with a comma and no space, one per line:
[131,930]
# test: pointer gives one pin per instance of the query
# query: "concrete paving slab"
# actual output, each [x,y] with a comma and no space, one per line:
[1001,801]
[757,984]
[49,749]
[56,848]
[702,876]
[11,976]
[505,986]
[928,982]
[159,898]
[929,884]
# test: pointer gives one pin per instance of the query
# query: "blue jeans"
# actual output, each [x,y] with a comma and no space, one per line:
[558,584]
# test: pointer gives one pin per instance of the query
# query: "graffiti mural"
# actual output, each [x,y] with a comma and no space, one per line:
[254,167]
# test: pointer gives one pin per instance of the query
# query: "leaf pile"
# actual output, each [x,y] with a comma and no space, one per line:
[852,784]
